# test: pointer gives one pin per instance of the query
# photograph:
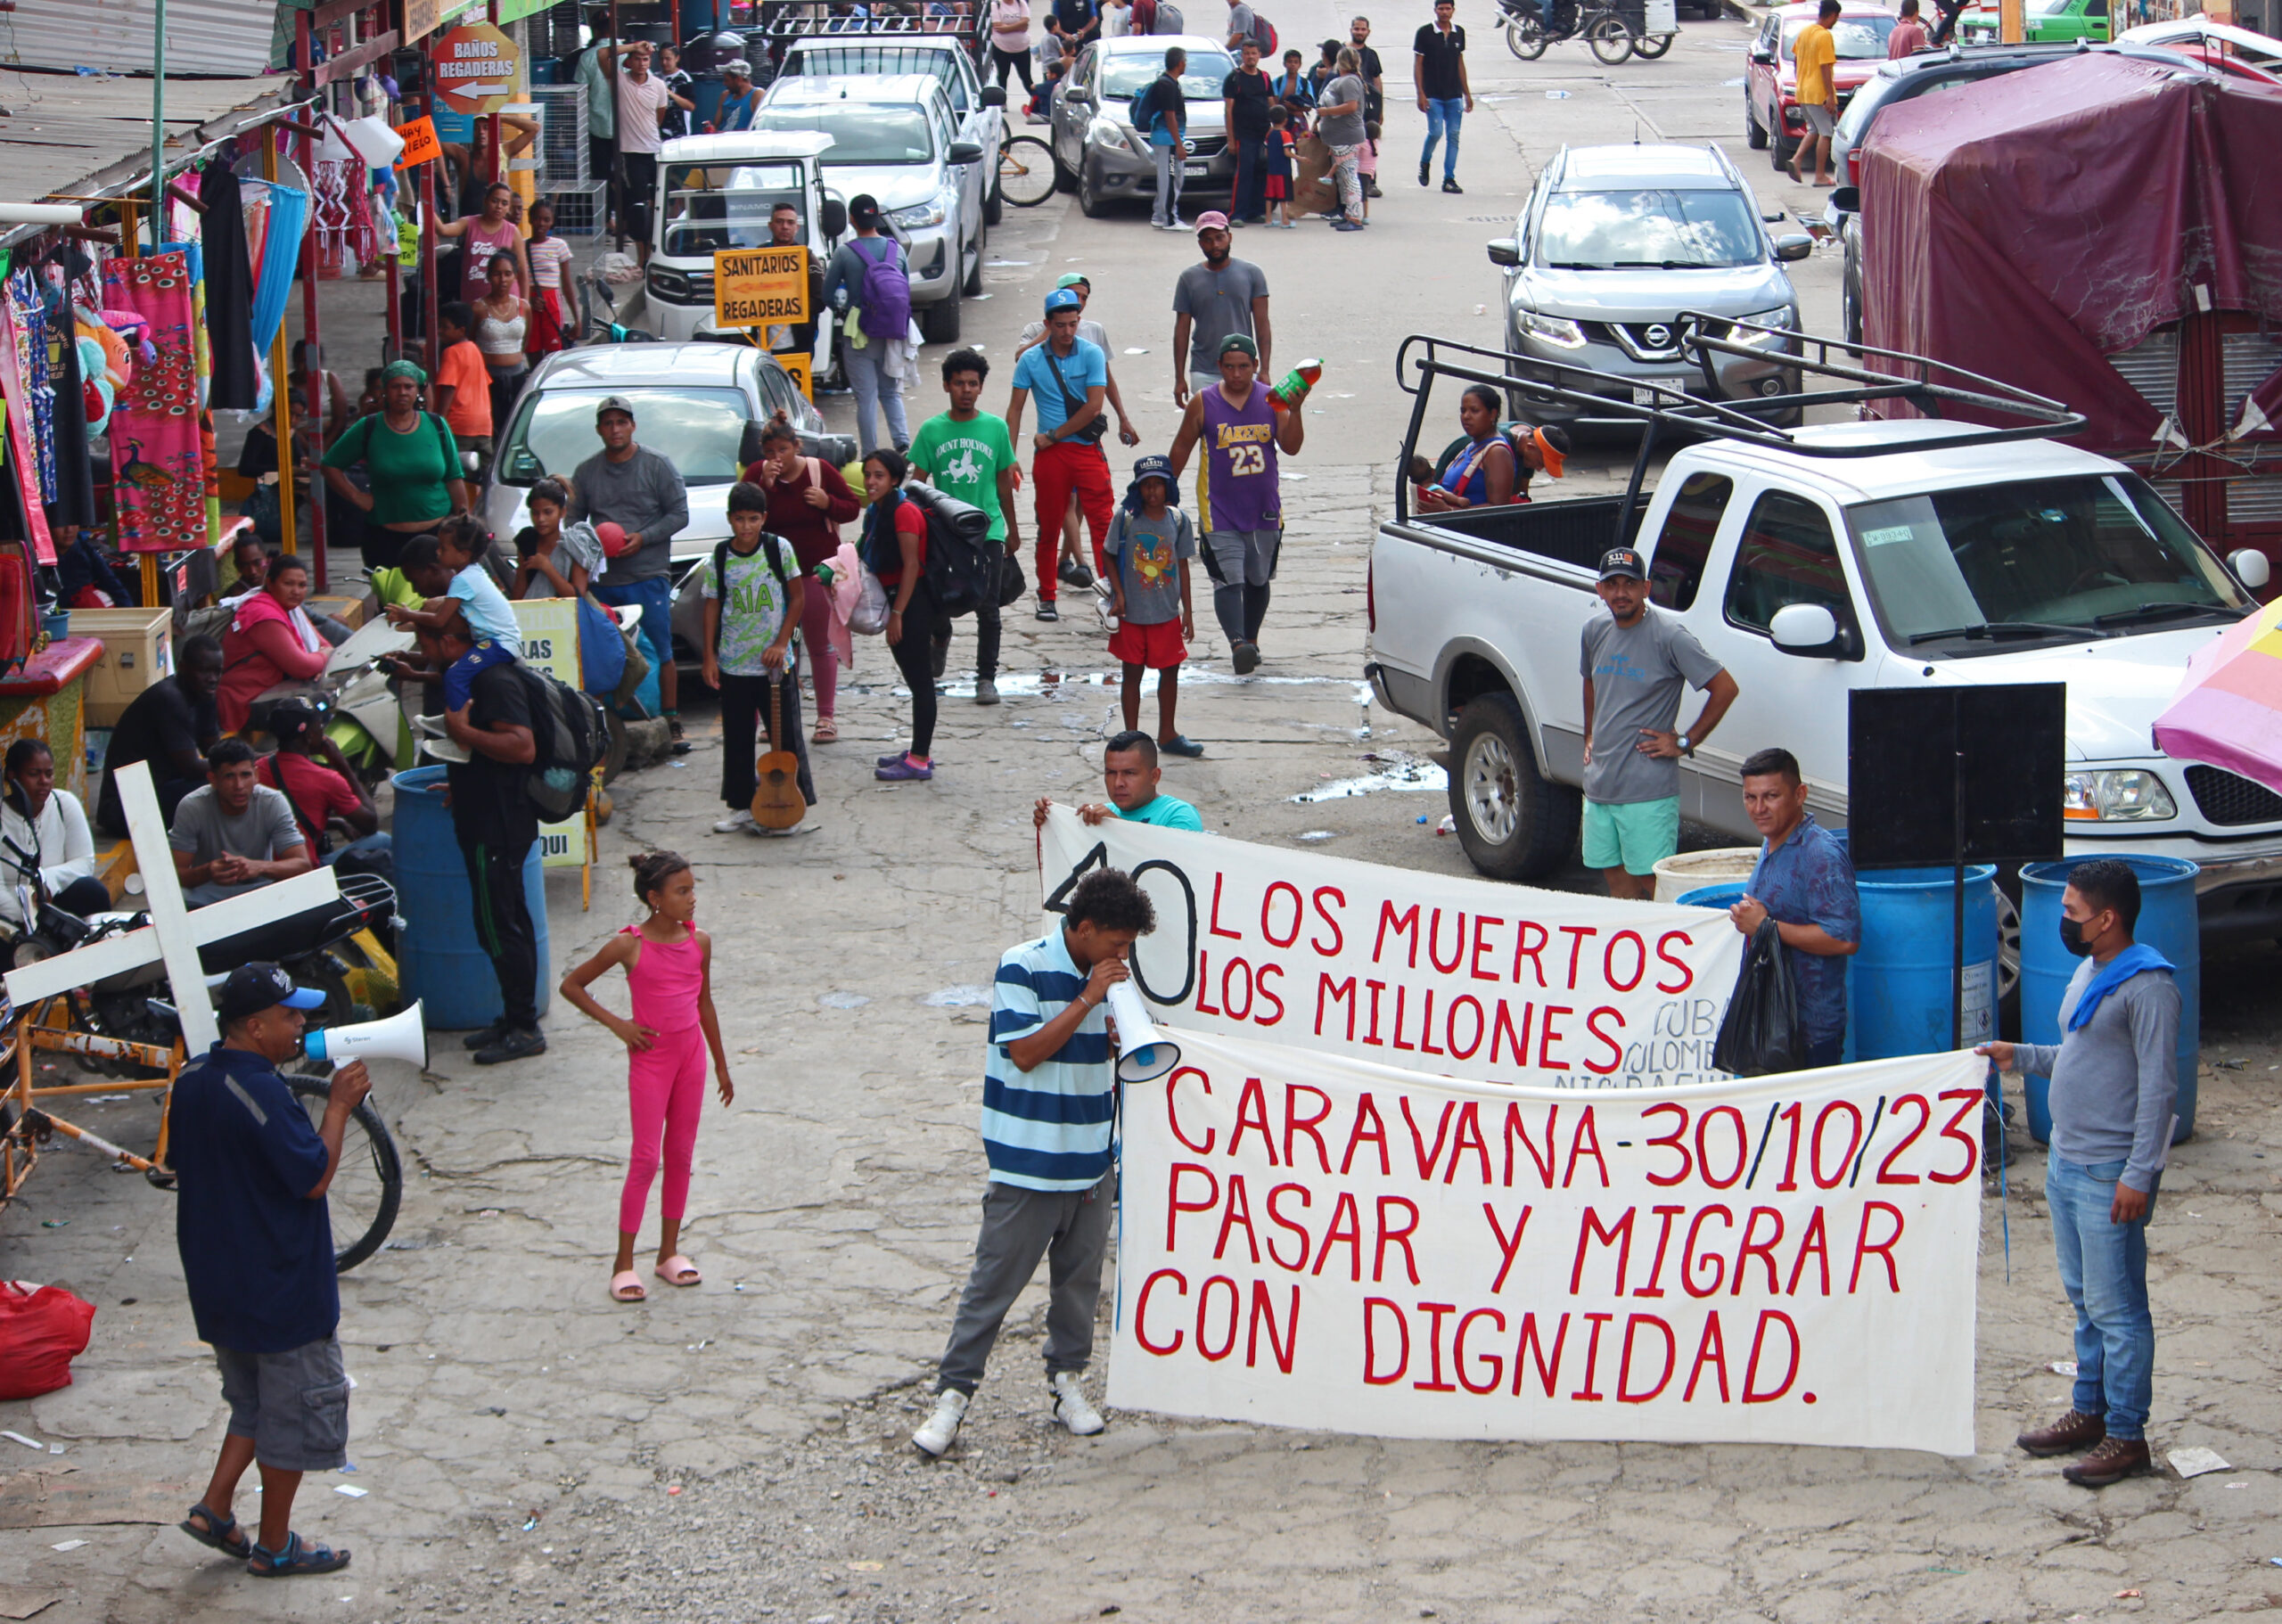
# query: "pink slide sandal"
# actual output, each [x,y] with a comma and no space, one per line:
[679,1271]
[626,1286]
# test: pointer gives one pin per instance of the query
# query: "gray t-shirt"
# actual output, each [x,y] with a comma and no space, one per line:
[1636,672]
[1240,21]
[1343,129]
[642,494]
[2115,1078]
[1218,302]
[265,830]
[1148,554]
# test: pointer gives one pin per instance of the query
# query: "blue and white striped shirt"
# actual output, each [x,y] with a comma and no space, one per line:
[1046,1128]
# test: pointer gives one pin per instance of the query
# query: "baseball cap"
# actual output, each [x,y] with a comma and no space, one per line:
[1237,340]
[741,69]
[257,987]
[1211,219]
[1151,467]
[1062,299]
[1619,561]
[1073,279]
[612,403]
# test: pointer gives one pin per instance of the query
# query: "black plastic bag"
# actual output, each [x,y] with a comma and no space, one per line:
[1760,1034]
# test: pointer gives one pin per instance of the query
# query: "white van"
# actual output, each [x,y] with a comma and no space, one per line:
[717,192]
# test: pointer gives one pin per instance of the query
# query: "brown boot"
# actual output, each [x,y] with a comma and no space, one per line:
[2116,1459]
[2073,1431]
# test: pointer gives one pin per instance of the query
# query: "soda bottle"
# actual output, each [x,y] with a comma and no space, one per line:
[1296,385]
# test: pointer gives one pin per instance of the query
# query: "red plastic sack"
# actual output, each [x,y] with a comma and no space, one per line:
[42,1330]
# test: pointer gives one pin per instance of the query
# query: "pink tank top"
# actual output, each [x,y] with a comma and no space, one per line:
[665,979]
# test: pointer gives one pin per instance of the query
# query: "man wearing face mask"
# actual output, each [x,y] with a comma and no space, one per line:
[2114,1080]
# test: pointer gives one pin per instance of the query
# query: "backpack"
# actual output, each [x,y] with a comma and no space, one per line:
[962,561]
[771,546]
[571,735]
[886,295]
[1263,34]
[1168,20]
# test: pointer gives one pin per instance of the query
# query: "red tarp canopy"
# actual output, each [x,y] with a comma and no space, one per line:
[2033,224]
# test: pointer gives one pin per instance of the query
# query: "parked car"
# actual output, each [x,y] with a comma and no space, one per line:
[1902,554]
[692,403]
[2064,22]
[1099,152]
[976,106]
[717,192]
[1615,244]
[1771,116]
[893,137]
[2237,51]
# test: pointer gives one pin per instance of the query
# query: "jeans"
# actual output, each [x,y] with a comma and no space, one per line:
[1014,61]
[1071,1227]
[2103,1271]
[1824,1052]
[873,386]
[655,597]
[914,657]
[1443,114]
[744,711]
[988,631]
[1246,202]
[1170,166]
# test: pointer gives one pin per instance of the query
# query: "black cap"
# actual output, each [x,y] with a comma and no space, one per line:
[257,987]
[1619,561]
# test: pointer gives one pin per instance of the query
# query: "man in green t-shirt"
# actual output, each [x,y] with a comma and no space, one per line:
[968,454]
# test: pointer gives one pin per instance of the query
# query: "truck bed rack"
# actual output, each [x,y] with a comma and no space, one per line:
[1919,381]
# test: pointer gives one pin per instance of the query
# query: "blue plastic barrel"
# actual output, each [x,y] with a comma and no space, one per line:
[442,961]
[2168,923]
[1899,985]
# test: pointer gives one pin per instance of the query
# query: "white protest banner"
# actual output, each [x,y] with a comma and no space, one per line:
[1467,978]
[1314,1242]
[550,628]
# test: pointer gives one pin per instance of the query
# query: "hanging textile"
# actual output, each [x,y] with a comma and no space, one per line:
[284,213]
[22,476]
[27,317]
[202,357]
[229,289]
[75,491]
[157,458]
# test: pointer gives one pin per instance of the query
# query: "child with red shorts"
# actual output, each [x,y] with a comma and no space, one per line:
[1275,166]
[1150,544]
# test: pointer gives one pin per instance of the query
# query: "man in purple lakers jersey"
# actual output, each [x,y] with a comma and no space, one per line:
[1238,493]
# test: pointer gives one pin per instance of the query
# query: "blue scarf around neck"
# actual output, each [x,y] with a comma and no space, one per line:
[2114,973]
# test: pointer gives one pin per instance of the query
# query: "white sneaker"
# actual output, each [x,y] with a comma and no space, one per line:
[735,821]
[943,1426]
[1071,1405]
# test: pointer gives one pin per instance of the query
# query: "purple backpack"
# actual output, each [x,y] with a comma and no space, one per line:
[886,294]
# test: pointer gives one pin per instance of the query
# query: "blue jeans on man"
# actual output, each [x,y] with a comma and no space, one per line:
[655,597]
[2103,1271]
[1443,116]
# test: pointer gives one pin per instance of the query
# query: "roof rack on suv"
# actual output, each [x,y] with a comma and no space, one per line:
[1921,382]
[786,22]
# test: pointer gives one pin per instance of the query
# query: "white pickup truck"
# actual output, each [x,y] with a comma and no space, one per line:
[1812,562]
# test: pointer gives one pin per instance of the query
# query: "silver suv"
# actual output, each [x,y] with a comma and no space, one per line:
[1615,245]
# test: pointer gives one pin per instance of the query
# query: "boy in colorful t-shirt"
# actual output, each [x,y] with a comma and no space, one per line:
[1149,546]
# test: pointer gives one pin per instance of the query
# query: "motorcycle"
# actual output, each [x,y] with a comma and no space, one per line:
[1529,30]
[603,325]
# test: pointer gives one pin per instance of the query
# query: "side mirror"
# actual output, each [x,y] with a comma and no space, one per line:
[1846,200]
[834,218]
[1793,245]
[1506,251]
[2250,568]
[1763,56]
[994,95]
[1773,216]
[1809,630]
[749,451]
[965,152]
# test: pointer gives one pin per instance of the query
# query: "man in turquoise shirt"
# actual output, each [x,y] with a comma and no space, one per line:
[1129,773]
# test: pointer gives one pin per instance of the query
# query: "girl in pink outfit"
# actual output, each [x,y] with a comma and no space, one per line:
[668,968]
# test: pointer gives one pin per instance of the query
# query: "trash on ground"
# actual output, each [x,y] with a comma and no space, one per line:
[2194,1463]
[351,1490]
[66,1544]
[957,997]
[2062,1367]
[29,1443]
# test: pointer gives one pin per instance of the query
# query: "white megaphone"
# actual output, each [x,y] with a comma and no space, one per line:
[1143,1053]
[400,1037]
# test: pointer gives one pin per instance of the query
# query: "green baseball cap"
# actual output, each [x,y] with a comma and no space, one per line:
[1074,279]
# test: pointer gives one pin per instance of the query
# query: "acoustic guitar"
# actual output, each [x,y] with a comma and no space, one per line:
[778,803]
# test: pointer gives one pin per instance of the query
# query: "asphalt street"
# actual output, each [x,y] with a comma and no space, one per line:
[527,1449]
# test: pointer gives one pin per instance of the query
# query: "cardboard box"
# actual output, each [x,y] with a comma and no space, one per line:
[350,612]
[139,650]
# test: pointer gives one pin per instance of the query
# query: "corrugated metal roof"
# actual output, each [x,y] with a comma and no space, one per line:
[65,134]
[222,39]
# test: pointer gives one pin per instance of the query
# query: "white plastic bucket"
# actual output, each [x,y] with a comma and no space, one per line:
[1689,870]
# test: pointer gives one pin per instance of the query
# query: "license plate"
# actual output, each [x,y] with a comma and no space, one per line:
[1649,397]
[1197,166]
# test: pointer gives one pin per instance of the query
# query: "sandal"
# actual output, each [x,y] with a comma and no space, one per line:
[222,1534]
[295,1559]
[626,1286]
[679,1271]
[828,732]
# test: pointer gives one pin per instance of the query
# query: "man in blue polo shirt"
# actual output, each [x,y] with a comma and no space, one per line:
[1048,1089]
[1129,774]
[1804,882]
[1069,378]
[256,1256]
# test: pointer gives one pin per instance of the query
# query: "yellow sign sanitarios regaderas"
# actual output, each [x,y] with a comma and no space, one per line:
[756,287]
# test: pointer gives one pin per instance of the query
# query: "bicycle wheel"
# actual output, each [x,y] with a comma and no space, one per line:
[1648,48]
[367,1187]
[1610,40]
[1525,40]
[1026,172]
